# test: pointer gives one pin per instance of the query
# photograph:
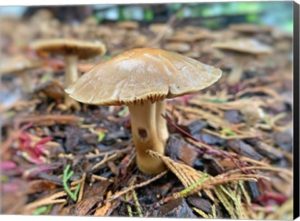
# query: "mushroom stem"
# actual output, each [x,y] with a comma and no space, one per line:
[27,87]
[237,73]
[161,123]
[71,70]
[71,77]
[145,136]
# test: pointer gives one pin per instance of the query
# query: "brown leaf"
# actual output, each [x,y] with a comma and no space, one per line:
[39,186]
[102,211]
[92,196]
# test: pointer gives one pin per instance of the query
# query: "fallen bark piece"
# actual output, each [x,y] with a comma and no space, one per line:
[244,149]
[176,208]
[48,120]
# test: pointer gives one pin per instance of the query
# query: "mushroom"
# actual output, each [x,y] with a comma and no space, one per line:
[224,35]
[188,40]
[128,25]
[181,37]
[180,47]
[72,50]
[161,27]
[242,50]
[193,54]
[142,79]
[190,37]
[250,28]
[260,32]
[20,66]
[252,114]
[135,39]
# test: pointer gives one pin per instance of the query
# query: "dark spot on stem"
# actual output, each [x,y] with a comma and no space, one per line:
[142,133]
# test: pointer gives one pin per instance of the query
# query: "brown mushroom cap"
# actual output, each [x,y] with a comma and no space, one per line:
[177,47]
[82,49]
[248,46]
[161,27]
[129,25]
[140,74]
[18,65]
[250,28]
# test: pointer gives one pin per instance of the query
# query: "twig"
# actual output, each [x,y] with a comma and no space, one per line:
[96,177]
[53,199]
[105,160]
[93,156]
[82,187]
[147,182]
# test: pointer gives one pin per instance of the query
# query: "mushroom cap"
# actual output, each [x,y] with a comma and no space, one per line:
[61,46]
[177,46]
[142,74]
[161,27]
[189,37]
[129,25]
[248,46]
[18,65]
[181,37]
[250,28]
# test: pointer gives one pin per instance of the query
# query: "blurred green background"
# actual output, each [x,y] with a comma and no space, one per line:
[211,15]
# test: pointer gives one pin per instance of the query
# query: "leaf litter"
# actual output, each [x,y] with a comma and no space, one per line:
[229,154]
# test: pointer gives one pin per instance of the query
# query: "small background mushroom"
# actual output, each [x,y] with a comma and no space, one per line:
[72,51]
[243,51]
[20,66]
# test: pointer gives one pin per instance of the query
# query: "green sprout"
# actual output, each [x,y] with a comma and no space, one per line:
[66,177]
[101,136]
[217,100]
[228,132]
[42,210]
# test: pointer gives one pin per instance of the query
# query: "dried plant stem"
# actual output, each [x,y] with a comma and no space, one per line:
[96,177]
[147,182]
[82,185]
[93,156]
[104,161]
[53,199]
[280,170]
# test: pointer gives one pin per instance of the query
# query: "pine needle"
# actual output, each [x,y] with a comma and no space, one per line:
[185,192]
[226,203]
[245,193]
[201,213]
[129,209]
[137,204]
